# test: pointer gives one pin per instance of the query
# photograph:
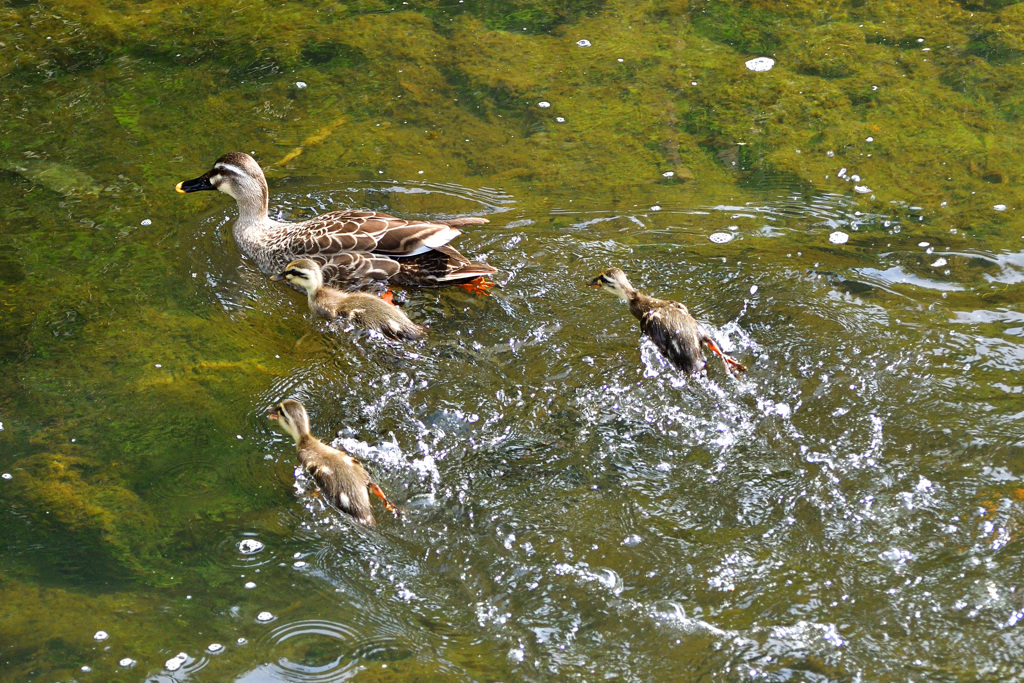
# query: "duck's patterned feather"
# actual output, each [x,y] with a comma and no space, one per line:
[356,247]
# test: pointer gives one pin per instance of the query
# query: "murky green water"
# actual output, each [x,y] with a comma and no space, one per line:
[849,510]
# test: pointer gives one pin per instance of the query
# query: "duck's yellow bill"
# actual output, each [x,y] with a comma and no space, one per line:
[178,187]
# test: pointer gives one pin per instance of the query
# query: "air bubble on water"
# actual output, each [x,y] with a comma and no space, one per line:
[720,237]
[301,85]
[127,662]
[544,104]
[830,153]
[214,648]
[656,207]
[264,617]
[668,174]
[855,178]
[1000,207]
[146,221]
[250,546]
[7,475]
[298,564]
[923,244]
[100,635]
[753,289]
[631,540]
[560,119]
[939,262]
[583,43]
[869,139]
[862,189]
[838,237]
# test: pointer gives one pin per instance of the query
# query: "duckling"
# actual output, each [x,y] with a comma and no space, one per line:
[340,476]
[360,308]
[668,323]
[355,247]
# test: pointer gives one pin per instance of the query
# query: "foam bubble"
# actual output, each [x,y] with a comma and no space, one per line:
[175,662]
[760,64]
[720,237]
[838,237]
[250,546]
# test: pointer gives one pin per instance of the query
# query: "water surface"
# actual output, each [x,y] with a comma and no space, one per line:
[574,509]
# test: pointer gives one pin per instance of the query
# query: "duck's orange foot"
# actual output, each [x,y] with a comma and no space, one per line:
[388,296]
[480,285]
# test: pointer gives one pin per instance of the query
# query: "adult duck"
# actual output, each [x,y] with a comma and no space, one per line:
[353,247]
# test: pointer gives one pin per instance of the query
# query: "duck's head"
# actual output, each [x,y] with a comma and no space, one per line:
[303,273]
[236,174]
[614,281]
[292,417]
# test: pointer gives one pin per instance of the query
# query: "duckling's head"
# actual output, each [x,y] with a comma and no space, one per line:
[614,281]
[304,273]
[292,417]
[236,174]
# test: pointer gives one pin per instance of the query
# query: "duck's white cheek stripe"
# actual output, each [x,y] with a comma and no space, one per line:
[230,168]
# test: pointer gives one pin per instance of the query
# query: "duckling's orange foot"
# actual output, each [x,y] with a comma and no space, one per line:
[480,285]
[734,364]
[388,296]
[380,494]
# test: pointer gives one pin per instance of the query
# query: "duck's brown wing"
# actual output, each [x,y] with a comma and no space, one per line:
[676,334]
[354,269]
[367,231]
[442,265]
